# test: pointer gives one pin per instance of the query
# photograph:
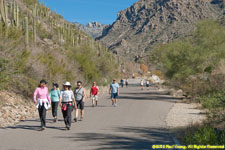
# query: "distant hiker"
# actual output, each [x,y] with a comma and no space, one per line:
[55,95]
[114,91]
[121,83]
[142,84]
[66,101]
[126,82]
[94,94]
[42,101]
[80,95]
[147,83]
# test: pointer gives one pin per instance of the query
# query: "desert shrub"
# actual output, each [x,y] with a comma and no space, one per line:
[212,100]
[203,135]
[192,56]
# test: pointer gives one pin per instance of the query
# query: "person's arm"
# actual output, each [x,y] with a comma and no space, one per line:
[97,90]
[84,95]
[110,89]
[35,95]
[75,104]
[90,92]
[60,99]
[47,95]
[118,90]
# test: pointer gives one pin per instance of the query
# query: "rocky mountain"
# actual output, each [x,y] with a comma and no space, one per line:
[93,28]
[147,22]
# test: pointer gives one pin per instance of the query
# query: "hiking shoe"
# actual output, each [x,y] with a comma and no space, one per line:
[42,129]
[75,119]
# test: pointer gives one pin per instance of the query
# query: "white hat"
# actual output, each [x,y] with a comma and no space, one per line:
[67,84]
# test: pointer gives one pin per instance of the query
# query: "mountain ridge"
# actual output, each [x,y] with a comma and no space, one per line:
[94,28]
[148,22]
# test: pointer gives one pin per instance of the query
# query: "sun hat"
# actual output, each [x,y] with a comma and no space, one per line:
[43,81]
[67,84]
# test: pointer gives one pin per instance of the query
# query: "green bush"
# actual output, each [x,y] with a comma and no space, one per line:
[204,135]
[192,56]
[213,100]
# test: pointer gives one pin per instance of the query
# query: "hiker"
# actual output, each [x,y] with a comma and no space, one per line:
[114,92]
[80,95]
[42,101]
[142,85]
[147,83]
[126,82]
[94,94]
[55,95]
[66,102]
[121,83]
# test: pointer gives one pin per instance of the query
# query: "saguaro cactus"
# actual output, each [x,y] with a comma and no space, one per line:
[34,31]
[2,10]
[17,16]
[26,31]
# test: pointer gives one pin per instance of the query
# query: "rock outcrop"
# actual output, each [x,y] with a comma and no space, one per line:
[147,22]
[93,28]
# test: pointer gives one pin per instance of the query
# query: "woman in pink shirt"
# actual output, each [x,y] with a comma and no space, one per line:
[42,101]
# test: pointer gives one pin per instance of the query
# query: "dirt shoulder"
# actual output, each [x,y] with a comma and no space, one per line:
[184,114]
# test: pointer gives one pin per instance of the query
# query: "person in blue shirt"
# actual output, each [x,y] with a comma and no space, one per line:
[114,92]
[55,95]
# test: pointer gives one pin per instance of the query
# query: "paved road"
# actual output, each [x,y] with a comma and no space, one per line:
[136,123]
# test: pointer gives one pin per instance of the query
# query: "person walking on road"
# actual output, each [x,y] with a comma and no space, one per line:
[121,83]
[147,84]
[94,94]
[55,95]
[126,82]
[66,102]
[142,84]
[114,92]
[80,95]
[42,101]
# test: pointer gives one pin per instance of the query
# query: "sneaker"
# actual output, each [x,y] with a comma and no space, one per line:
[55,120]
[93,105]
[68,128]
[114,105]
[81,119]
[42,129]
[75,119]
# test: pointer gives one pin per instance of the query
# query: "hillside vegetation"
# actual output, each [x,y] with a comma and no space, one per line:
[36,43]
[196,64]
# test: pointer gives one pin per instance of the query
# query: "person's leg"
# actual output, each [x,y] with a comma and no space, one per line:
[93,100]
[81,114]
[96,100]
[69,111]
[40,114]
[44,116]
[81,110]
[64,116]
[53,109]
[56,109]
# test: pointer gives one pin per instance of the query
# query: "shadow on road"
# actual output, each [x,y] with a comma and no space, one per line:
[131,138]
[162,98]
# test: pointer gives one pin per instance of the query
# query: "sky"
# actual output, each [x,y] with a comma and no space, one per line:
[85,11]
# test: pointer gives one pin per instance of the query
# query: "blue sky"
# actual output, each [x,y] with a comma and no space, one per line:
[84,11]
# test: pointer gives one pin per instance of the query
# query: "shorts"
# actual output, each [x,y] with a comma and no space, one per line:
[114,95]
[94,97]
[80,104]
[148,85]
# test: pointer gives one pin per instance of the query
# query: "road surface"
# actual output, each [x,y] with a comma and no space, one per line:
[137,123]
